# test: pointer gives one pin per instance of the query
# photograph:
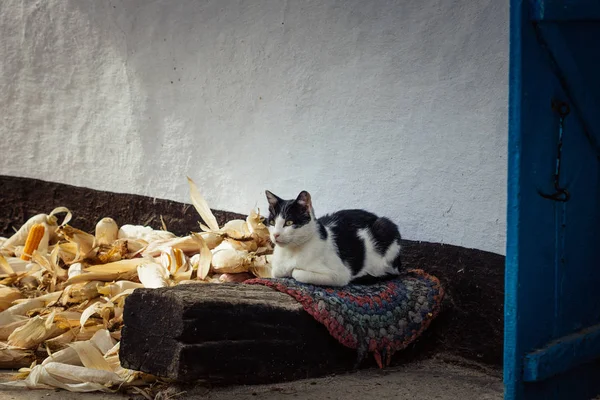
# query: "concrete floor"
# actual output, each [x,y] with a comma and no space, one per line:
[427,380]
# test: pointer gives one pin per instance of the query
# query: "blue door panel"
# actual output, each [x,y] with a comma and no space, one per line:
[552,304]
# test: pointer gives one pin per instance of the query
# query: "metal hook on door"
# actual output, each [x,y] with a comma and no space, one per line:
[560,194]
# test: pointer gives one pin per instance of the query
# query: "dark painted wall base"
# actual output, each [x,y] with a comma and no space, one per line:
[471,326]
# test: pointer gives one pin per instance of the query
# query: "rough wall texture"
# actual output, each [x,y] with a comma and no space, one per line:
[394,106]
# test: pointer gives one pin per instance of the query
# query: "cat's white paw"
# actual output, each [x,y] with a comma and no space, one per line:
[299,275]
[314,278]
[280,273]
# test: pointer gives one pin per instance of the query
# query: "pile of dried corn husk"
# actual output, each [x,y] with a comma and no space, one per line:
[62,290]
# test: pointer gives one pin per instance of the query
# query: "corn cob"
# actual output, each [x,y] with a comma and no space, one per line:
[107,231]
[34,237]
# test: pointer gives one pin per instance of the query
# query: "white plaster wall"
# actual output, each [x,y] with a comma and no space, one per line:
[395,106]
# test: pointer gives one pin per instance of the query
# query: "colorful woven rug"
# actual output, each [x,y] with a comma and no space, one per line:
[380,318]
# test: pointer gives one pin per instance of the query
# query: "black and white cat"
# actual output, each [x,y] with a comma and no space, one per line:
[334,250]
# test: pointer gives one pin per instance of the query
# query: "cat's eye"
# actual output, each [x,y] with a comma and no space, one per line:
[289,223]
[272,222]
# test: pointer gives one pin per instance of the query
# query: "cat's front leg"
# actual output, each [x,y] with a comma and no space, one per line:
[280,268]
[325,278]
[280,271]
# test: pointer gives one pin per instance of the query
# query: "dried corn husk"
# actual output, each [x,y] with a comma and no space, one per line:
[90,356]
[83,240]
[69,377]
[69,318]
[8,329]
[245,245]
[173,260]
[132,246]
[100,339]
[153,275]
[21,307]
[145,233]
[116,288]
[106,232]
[214,278]
[202,207]
[50,223]
[12,357]
[18,251]
[231,261]
[29,283]
[69,252]
[67,355]
[124,269]
[8,295]
[236,229]
[261,272]
[75,269]
[261,266]
[112,358]
[5,268]
[211,239]
[74,334]
[203,259]
[80,292]
[81,311]
[225,245]
[17,265]
[188,244]
[50,265]
[183,274]
[240,277]
[102,308]
[256,225]
[103,341]
[34,332]
[107,253]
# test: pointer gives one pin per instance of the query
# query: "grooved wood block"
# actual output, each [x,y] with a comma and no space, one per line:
[228,333]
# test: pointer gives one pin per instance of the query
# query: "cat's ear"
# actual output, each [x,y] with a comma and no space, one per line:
[272,199]
[304,199]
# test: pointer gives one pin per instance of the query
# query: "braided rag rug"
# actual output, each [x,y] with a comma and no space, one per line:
[380,318]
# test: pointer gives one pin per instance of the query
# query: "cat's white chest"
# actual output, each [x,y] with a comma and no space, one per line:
[285,260]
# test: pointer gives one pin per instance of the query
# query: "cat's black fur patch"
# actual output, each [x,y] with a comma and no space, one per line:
[322,231]
[290,210]
[344,226]
[370,280]
[384,232]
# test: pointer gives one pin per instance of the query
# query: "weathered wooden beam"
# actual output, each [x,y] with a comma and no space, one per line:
[228,333]
[563,355]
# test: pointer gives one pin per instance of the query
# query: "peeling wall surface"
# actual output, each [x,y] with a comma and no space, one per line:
[399,107]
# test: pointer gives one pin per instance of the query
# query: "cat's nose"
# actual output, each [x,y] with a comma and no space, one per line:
[276,235]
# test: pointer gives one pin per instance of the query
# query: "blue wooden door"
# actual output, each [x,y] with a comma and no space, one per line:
[552,305]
